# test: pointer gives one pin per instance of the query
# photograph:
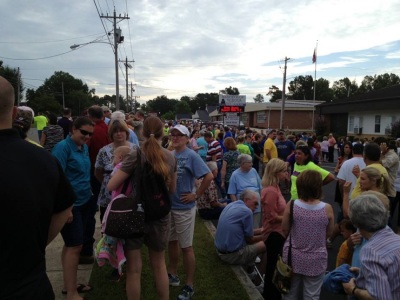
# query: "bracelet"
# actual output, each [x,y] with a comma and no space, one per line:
[354,290]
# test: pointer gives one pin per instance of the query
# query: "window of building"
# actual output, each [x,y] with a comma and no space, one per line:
[243,117]
[260,117]
[377,124]
[351,123]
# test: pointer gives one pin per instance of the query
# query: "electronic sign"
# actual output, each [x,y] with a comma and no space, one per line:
[231,109]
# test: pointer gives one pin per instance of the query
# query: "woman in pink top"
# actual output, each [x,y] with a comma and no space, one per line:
[273,205]
[312,224]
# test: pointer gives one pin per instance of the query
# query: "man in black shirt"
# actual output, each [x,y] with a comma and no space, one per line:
[36,201]
[65,122]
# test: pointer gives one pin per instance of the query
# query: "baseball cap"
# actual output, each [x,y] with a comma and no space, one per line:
[182,129]
[281,132]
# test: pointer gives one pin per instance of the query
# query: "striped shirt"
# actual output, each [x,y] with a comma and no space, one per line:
[380,265]
[214,148]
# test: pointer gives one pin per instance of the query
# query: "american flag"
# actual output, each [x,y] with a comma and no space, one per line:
[314,57]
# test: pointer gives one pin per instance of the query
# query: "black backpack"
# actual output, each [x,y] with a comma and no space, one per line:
[154,194]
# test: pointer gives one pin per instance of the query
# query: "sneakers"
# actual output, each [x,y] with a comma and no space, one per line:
[173,280]
[260,288]
[186,293]
[329,244]
[258,260]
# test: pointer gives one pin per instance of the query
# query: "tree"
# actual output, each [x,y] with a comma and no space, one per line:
[258,98]
[161,105]
[344,88]
[170,115]
[274,93]
[301,88]
[377,82]
[182,107]
[76,96]
[13,76]
[322,90]
[231,91]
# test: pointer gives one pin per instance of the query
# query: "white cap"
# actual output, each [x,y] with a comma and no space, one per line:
[182,129]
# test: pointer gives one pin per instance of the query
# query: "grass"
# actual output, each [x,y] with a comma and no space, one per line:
[213,279]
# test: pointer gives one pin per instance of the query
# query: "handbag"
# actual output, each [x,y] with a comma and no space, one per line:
[283,271]
[125,215]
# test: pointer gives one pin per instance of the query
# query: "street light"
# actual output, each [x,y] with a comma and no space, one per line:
[117,39]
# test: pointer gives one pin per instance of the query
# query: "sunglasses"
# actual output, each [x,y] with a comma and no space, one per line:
[84,132]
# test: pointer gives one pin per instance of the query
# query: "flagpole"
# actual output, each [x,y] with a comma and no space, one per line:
[315,59]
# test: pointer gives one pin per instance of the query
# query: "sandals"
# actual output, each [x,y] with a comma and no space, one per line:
[81,288]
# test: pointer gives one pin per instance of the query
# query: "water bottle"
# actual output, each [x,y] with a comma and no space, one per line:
[140,208]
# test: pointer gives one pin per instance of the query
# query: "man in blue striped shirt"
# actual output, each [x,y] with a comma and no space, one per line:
[379,276]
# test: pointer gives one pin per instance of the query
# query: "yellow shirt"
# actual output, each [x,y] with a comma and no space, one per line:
[270,145]
[357,190]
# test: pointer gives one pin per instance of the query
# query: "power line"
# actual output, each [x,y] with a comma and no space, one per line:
[38,58]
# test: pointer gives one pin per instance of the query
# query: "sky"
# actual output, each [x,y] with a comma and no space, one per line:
[185,47]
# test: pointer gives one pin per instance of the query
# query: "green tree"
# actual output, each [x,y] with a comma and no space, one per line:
[274,93]
[344,88]
[323,91]
[301,88]
[170,115]
[182,107]
[161,105]
[258,98]
[13,76]
[231,91]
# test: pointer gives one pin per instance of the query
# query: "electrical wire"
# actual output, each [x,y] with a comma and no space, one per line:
[38,58]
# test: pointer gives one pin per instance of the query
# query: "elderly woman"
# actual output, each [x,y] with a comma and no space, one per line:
[245,177]
[273,205]
[229,162]
[378,275]
[312,224]
[304,162]
[118,133]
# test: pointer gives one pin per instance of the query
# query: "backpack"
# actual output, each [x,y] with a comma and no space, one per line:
[154,194]
[125,216]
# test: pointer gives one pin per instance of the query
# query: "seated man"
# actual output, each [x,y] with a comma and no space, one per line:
[236,241]
[208,204]
[378,275]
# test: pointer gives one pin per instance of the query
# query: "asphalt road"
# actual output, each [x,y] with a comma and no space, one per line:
[328,197]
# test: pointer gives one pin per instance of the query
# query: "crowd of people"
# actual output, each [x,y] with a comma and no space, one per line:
[238,177]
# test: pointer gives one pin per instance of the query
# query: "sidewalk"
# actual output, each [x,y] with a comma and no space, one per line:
[54,268]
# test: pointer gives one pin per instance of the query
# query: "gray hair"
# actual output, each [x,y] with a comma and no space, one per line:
[118,115]
[242,158]
[248,194]
[367,212]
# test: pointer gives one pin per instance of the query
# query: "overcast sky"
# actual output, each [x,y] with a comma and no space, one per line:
[186,47]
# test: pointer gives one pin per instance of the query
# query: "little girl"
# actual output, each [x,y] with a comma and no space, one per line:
[119,155]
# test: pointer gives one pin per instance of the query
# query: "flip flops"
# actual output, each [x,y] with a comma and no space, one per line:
[81,288]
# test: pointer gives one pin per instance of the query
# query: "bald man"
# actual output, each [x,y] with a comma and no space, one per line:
[36,201]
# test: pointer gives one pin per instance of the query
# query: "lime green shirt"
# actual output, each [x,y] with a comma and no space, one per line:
[301,168]
[41,122]
[243,149]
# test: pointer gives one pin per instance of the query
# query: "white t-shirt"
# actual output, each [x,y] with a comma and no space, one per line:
[345,172]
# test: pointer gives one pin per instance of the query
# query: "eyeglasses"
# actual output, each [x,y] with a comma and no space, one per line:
[84,132]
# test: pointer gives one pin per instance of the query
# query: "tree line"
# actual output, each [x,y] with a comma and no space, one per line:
[64,89]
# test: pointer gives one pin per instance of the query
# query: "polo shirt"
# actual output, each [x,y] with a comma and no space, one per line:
[234,225]
[75,163]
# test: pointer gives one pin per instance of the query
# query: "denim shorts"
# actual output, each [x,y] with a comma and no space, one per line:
[72,233]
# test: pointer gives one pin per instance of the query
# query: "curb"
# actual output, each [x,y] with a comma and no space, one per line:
[240,273]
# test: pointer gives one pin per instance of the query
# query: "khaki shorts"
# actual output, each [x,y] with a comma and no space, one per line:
[244,256]
[182,226]
[155,237]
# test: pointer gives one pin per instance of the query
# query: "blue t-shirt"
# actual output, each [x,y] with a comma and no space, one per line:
[285,149]
[241,181]
[234,225]
[133,138]
[189,167]
[202,142]
[76,166]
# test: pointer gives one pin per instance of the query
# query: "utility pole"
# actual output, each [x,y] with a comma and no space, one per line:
[18,88]
[127,65]
[281,123]
[62,89]
[117,39]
